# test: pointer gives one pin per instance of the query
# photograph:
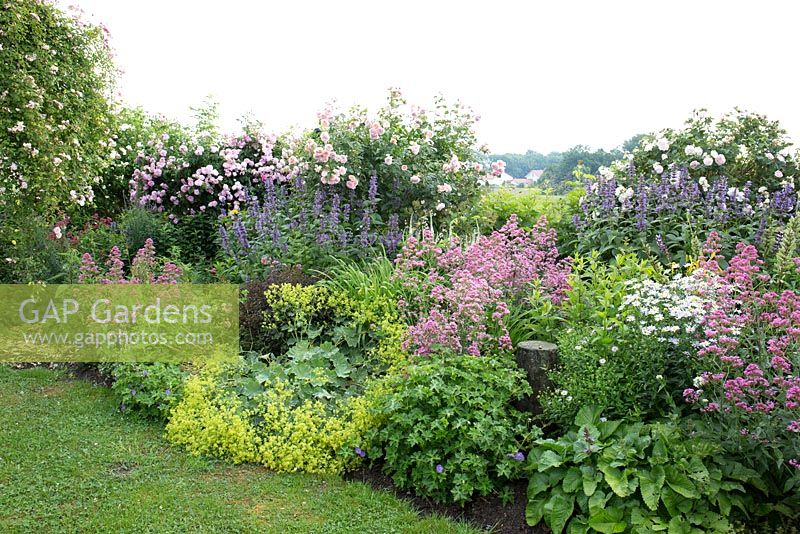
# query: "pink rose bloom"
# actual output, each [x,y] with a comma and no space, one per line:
[498,167]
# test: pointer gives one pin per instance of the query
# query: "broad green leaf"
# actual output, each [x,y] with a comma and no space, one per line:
[697,471]
[675,502]
[607,428]
[617,480]
[724,503]
[572,480]
[588,416]
[534,511]
[679,525]
[538,483]
[577,526]
[680,483]
[598,501]
[550,459]
[608,520]
[650,484]
[558,510]
[590,479]
[250,387]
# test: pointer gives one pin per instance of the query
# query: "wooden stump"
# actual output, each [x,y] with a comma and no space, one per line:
[535,357]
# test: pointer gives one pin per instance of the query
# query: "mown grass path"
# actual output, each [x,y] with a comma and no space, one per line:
[69,462]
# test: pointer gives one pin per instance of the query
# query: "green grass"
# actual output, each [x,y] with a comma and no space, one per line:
[69,462]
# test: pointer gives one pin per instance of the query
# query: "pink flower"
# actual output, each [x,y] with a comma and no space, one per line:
[498,168]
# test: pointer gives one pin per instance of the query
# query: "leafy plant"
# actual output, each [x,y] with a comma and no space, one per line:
[254,304]
[607,476]
[151,389]
[55,110]
[446,427]
[317,372]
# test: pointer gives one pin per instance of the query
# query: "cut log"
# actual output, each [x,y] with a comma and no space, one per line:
[536,357]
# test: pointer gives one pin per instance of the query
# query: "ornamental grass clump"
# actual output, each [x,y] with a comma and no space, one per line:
[462,293]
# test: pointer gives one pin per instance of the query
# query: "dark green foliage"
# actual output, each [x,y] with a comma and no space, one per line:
[606,476]
[197,238]
[138,224]
[449,430]
[147,388]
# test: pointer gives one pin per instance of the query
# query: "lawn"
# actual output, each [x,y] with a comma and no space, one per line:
[70,462]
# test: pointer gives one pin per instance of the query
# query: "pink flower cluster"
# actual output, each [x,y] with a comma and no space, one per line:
[464,292]
[750,345]
[143,270]
[184,180]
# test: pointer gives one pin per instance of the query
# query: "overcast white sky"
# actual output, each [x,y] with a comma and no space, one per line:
[542,75]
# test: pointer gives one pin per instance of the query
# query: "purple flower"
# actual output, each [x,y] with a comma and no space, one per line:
[167,392]
[518,456]
[241,234]
[360,452]
[133,392]
[661,245]
[223,234]
[373,189]
[439,468]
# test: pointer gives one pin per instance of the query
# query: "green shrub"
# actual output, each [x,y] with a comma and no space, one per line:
[447,429]
[196,236]
[621,370]
[627,340]
[253,337]
[138,224]
[55,110]
[495,207]
[606,476]
[151,389]
[226,413]
[32,254]
[743,147]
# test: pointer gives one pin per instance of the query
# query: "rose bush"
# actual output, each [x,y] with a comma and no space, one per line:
[55,112]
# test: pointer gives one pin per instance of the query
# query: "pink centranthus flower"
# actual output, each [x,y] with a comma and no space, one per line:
[465,291]
[749,342]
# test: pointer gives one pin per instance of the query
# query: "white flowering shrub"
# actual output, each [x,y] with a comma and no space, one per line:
[669,311]
[633,348]
[54,107]
[741,146]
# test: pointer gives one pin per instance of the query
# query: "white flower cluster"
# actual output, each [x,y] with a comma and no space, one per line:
[669,311]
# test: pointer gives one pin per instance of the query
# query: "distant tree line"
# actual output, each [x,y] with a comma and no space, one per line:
[560,166]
